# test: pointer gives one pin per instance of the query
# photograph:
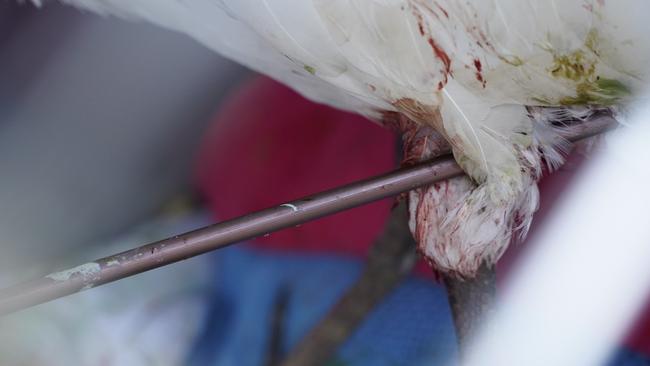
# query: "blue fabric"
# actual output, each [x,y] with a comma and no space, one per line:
[412,326]
[628,358]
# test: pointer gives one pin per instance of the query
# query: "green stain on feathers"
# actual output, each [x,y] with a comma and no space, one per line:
[310,69]
[579,67]
[600,91]
[512,60]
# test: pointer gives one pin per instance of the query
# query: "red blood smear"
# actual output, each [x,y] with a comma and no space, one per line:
[479,70]
[443,10]
[442,56]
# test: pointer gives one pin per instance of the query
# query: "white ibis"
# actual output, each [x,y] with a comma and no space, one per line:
[496,79]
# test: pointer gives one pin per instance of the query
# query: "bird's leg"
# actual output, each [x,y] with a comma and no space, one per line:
[471,300]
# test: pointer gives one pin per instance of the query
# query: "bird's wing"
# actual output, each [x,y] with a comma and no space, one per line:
[378,52]
[259,35]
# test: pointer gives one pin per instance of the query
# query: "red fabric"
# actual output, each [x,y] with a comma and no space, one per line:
[639,338]
[268,145]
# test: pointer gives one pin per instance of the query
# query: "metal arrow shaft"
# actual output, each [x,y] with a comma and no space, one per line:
[216,236]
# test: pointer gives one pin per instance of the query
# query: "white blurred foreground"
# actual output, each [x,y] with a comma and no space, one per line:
[579,289]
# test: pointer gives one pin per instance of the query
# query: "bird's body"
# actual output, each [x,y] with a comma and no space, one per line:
[475,71]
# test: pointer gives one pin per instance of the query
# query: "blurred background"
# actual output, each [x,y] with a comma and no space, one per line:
[115,134]
[99,121]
